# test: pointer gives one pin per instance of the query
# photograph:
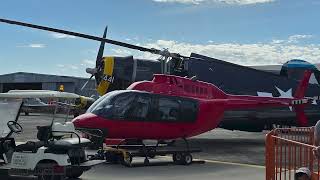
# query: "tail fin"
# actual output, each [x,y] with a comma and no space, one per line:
[299,94]
[303,85]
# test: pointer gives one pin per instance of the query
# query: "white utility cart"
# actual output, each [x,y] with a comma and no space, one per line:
[58,153]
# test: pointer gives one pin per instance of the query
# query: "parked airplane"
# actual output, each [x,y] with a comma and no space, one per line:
[32,101]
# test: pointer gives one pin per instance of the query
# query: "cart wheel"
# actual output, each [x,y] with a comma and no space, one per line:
[177,158]
[127,161]
[74,173]
[187,159]
[45,171]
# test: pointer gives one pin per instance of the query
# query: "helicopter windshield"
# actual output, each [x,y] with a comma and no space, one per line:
[102,101]
[123,105]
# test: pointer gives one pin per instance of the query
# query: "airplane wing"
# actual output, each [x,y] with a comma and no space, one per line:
[22,94]
[9,110]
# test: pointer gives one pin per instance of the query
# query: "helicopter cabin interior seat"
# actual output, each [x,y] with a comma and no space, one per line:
[32,146]
[173,115]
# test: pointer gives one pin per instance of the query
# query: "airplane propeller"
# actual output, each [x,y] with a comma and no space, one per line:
[99,64]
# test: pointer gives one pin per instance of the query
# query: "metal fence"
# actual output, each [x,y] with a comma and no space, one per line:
[288,149]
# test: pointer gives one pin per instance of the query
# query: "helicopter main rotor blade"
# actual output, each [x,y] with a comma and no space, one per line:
[86,36]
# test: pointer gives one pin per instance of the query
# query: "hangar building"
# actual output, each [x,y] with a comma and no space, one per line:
[34,81]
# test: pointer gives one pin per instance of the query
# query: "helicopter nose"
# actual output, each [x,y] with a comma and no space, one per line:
[81,121]
[77,122]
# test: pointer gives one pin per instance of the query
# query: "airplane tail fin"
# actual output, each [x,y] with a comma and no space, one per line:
[303,85]
[300,94]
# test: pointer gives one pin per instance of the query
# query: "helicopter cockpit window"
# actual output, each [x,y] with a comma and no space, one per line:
[102,106]
[121,105]
[139,109]
[168,110]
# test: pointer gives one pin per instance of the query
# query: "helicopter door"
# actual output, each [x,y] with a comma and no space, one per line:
[130,110]
[168,110]
[140,107]
[139,112]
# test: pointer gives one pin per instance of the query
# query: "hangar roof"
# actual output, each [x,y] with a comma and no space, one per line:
[25,77]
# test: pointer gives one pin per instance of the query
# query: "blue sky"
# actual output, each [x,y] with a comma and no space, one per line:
[248,32]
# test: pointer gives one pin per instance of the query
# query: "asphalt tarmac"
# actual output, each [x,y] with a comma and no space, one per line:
[226,155]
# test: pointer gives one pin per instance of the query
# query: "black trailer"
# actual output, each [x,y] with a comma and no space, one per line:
[124,154]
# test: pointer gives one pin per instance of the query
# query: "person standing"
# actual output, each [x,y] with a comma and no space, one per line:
[316,150]
[303,173]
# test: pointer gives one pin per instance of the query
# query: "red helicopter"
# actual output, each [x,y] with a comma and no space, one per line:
[171,107]
[168,108]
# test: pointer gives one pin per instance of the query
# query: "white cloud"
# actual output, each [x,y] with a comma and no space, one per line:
[67,67]
[230,2]
[36,45]
[88,62]
[33,46]
[293,39]
[121,52]
[61,36]
[244,2]
[274,52]
[60,65]
[74,67]
[181,1]
[297,37]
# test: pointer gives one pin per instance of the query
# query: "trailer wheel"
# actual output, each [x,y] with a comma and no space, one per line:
[187,159]
[127,160]
[177,158]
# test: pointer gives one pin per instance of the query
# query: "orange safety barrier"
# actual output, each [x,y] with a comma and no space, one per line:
[288,149]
